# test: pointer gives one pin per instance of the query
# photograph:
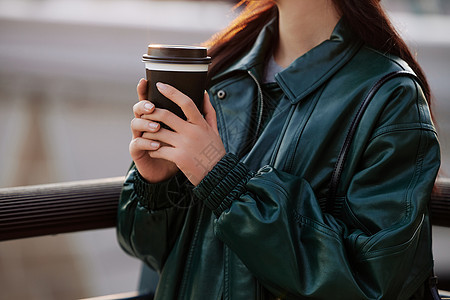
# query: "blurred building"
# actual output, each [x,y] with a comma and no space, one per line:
[420,6]
[68,76]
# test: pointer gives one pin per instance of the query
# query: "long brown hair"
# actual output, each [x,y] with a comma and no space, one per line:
[227,45]
[366,18]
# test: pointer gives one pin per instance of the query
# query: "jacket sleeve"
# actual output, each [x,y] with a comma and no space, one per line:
[273,222]
[150,216]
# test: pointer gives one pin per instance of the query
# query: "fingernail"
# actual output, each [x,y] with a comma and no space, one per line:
[153,125]
[154,144]
[161,86]
[148,106]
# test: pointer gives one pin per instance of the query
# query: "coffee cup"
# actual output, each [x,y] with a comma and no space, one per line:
[183,67]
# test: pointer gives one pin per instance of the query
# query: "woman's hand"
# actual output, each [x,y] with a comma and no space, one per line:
[152,169]
[194,145]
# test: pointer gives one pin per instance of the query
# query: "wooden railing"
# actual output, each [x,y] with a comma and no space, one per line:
[440,203]
[38,210]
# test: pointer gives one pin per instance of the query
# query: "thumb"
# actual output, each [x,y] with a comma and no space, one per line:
[142,89]
[209,113]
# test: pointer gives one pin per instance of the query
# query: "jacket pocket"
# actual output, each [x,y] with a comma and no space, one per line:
[369,249]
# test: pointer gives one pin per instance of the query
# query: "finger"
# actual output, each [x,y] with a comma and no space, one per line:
[186,104]
[142,89]
[209,113]
[164,136]
[143,107]
[166,117]
[138,145]
[167,153]
[138,126]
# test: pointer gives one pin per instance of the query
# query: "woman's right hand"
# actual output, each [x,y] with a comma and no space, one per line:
[152,169]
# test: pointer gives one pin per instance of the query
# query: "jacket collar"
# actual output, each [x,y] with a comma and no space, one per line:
[256,57]
[307,72]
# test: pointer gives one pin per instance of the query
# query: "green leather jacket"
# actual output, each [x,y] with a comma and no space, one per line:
[254,229]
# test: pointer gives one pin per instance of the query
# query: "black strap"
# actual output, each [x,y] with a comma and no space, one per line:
[432,285]
[331,206]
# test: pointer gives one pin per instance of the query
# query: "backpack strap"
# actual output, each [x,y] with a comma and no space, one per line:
[331,205]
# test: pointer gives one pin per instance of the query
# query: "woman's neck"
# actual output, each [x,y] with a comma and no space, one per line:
[303,24]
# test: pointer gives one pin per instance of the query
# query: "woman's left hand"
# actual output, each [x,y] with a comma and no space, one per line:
[194,145]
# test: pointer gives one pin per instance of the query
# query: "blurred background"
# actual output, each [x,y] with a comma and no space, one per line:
[68,72]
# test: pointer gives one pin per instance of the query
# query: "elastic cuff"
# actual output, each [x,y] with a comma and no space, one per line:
[162,195]
[145,190]
[223,184]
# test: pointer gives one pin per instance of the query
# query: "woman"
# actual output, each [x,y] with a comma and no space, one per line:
[231,206]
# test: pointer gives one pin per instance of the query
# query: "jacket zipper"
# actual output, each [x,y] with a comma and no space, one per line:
[191,253]
[259,292]
[260,107]
[226,281]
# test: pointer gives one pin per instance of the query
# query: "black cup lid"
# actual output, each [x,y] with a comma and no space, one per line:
[176,54]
